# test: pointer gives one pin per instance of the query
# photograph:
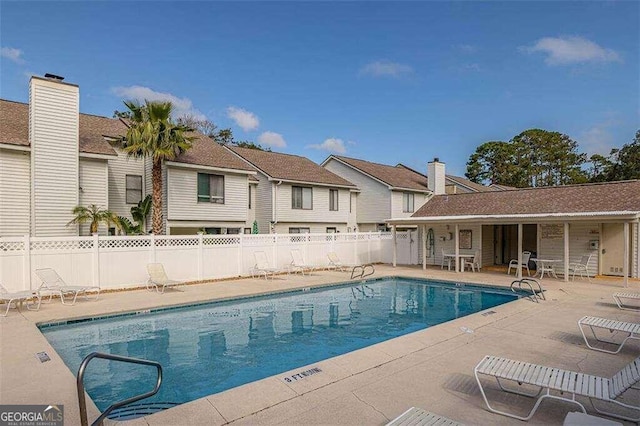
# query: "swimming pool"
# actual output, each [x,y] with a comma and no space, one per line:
[211,347]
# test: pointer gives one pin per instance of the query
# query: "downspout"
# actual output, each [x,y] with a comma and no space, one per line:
[274,202]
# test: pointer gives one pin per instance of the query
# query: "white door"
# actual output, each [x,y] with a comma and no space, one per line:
[612,250]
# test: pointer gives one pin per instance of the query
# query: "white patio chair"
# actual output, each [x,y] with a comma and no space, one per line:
[581,267]
[335,262]
[17,298]
[630,329]
[158,278]
[621,296]
[473,262]
[298,264]
[567,385]
[53,284]
[513,263]
[446,258]
[418,417]
[262,266]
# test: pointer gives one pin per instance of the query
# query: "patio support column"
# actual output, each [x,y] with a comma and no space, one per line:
[457,241]
[625,259]
[566,251]
[395,245]
[424,247]
[520,237]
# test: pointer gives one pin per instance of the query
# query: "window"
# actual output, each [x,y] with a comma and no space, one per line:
[133,191]
[331,230]
[249,197]
[407,202]
[233,231]
[247,230]
[333,199]
[301,198]
[350,203]
[299,230]
[210,188]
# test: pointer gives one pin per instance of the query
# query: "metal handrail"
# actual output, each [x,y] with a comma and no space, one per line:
[80,385]
[363,271]
[528,282]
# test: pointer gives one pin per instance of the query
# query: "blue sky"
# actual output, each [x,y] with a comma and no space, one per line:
[387,82]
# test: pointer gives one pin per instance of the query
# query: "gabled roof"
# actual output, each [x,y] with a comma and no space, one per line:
[476,187]
[395,177]
[14,128]
[581,200]
[207,152]
[293,168]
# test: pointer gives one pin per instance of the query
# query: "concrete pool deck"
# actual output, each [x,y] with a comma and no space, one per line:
[432,368]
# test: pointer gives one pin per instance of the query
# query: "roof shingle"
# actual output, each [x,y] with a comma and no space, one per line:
[290,167]
[396,177]
[587,198]
[206,152]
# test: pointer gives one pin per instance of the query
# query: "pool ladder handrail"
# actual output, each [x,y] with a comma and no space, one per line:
[363,271]
[534,294]
[80,385]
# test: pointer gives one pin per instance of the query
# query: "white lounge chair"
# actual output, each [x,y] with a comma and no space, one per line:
[630,329]
[53,284]
[513,263]
[419,417]
[581,267]
[158,279]
[262,266]
[18,298]
[298,264]
[620,297]
[335,262]
[473,262]
[568,384]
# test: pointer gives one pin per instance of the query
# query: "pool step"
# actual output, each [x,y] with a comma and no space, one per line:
[134,411]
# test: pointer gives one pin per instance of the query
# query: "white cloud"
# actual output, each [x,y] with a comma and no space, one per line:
[331,145]
[12,54]
[598,138]
[272,139]
[386,69]
[566,50]
[181,106]
[243,118]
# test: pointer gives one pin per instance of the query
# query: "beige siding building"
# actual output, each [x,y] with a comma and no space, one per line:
[295,195]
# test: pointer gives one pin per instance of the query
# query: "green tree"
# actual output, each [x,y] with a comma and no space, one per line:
[626,161]
[599,168]
[204,126]
[535,157]
[93,215]
[152,134]
[141,212]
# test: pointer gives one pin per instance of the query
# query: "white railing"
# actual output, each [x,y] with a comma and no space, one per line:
[120,262]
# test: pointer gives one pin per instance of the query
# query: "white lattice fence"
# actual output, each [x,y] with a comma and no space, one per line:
[117,262]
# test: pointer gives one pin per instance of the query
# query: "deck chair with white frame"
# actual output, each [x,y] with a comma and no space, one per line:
[629,329]
[620,297]
[581,267]
[298,264]
[473,263]
[17,298]
[262,266]
[446,258]
[418,417]
[513,263]
[158,279]
[336,263]
[53,284]
[565,384]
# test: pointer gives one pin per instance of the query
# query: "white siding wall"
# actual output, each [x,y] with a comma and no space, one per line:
[264,203]
[440,232]
[183,202]
[15,192]
[315,228]
[94,188]
[119,168]
[374,199]
[320,212]
[397,203]
[579,236]
[53,132]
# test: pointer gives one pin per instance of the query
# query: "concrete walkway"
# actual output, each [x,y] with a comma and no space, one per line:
[432,369]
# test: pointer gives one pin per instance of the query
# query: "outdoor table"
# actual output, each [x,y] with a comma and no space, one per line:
[546,265]
[461,258]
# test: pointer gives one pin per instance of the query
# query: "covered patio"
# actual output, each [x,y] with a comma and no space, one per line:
[595,225]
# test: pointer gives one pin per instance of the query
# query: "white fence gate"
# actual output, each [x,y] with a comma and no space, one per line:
[120,262]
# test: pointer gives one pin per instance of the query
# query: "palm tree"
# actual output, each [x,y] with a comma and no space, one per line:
[140,213]
[152,134]
[95,216]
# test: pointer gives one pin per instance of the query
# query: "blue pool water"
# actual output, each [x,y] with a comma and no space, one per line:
[212,347]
